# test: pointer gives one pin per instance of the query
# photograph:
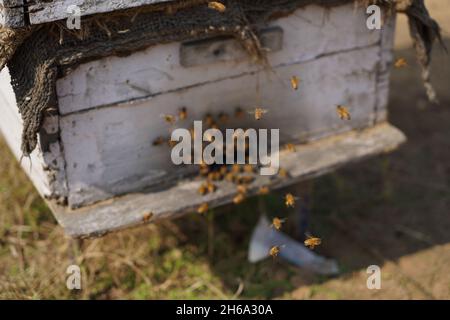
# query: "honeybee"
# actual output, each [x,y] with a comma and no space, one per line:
[223,117]
[258,112]
[248,168]
[229,177]
[171,119]
[343,112]
[312,242]
[238,113]
[277,223]
[263,190]
[209,120]
[172,143]
[215,5]
[290,147]
[295,82]
[158,141]
[203,208]
[223,170]
[182,114]
[274,251]
[203,189]
[238,198]
[211,187]
[241,189]
[146,218]
[282,173]
[400,63]
[204,169]
[289,200]
[235,168]
[245,179]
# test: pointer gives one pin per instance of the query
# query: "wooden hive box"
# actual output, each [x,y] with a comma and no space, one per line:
[96,164]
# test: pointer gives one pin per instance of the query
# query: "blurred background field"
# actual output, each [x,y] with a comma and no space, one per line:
[392,210]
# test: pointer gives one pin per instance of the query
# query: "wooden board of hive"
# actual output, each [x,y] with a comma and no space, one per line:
[96,164]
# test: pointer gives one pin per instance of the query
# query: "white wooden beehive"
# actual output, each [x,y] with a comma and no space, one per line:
[97,166]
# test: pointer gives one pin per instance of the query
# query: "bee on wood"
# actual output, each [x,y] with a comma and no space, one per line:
[172,143]
[209,120]
[312,242]
[290,147]
[239,113]
[223,170]
[215,5]
[277,223]
[263,190]
[239,198]
[295,82]
[230,177]
[159,141]
[248,168]
[235,168]
[170,119]
[146,218]
[258,113]
[343,112]
[211,187]
[245,179]
[204,169]
[400,63]
[289,200]
[182,114]
[282,173]
[203,208]
[241,189]
[203,189]
[274,251]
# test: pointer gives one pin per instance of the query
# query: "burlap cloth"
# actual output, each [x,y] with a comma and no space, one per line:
[36,56]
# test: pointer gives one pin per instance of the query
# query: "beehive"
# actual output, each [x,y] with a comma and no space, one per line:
[95,162]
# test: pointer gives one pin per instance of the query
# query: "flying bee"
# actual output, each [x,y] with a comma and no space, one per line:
[400,63]
[258,113]
[158,141]
[295,82]
[215,5]
[277,223]
[274,251]
[203,208]
[211,187]
[238,113]
[170,119]
[312,242]
[238,198]
[146,218]
[289,200]
[343,112]
[182,114]
[203,189]
[290,147]
[263,190]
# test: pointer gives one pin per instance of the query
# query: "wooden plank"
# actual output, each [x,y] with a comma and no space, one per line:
[109,150]
[47,11]
[309,33]
[308,161]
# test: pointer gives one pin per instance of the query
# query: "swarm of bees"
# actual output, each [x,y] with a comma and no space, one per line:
[343,112]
